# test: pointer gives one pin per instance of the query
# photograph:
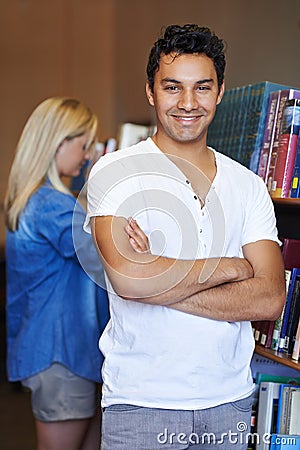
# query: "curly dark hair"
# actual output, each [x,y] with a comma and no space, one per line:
[189,38]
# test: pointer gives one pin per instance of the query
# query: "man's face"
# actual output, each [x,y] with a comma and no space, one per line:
[185,95]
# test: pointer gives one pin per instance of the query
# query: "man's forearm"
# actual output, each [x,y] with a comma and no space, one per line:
[183,279]
[252,299]
[157,279]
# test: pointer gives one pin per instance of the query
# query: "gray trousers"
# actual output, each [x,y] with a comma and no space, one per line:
[224,427]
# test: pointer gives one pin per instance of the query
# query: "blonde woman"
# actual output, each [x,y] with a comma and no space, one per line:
[55,312]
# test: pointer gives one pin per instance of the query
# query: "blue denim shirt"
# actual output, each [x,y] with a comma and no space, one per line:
[55,312]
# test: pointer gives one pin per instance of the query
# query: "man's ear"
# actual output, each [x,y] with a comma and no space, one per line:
[221,93]
[149,93]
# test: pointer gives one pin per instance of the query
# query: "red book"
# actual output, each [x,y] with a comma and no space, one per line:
[284,95]
[287,149]
[291,253]
[266,332]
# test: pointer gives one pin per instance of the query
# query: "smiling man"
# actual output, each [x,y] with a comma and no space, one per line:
[179,344]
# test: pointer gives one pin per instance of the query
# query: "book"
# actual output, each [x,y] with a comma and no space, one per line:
[282,379]
[268,336]
[256,329]
[278,322]
[293,423]
[241,129]
[287,149]
[295,185]
[269,134]
[264,332]
[296,347]
[263,377]
[287,307]
[282,411]
[284,414]
[290,252]
[266,411]
[293,318]
[254,142]
[285,94]
[239,123]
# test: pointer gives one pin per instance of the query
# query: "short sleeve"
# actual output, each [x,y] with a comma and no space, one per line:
[112,184]
[260,220]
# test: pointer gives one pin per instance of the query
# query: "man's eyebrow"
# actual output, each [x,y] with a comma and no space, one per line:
[170,80]
[173,80]
[205,80]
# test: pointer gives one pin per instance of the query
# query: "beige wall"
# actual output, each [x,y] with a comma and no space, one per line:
[97,50]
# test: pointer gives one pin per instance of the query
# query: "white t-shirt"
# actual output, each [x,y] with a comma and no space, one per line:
[156,356]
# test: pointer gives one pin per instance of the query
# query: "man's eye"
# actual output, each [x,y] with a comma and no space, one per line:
[172,88]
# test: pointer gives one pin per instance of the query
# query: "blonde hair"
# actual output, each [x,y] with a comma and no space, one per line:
[53,121]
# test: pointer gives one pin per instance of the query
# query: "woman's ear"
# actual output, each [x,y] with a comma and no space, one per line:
[60,146]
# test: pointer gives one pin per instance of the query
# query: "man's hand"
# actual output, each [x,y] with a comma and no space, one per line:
[137,238]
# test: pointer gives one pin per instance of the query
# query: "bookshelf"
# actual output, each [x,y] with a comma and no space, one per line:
[281,358]
[287,212]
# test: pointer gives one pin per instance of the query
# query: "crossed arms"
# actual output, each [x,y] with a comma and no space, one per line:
[229,289]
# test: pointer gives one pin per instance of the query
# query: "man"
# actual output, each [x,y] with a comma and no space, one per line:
[179,344]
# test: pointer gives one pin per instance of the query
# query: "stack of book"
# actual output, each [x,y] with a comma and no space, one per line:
[283,335]
[279,160]
[277,413]
[258,125]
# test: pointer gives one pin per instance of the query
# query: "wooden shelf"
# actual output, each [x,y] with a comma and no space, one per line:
[281,358]
[290,202]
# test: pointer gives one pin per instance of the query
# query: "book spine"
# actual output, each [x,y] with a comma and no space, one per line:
[293,315]
[256,329]
[274,150]
[287,149]
[248,157]
[268,395]
[269,336]
[282,408]
[293,425]
[296,348]
[244,118]
[281,345]
[295,185]
[268,134]
[238,121]
[278,322]
[261,116]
